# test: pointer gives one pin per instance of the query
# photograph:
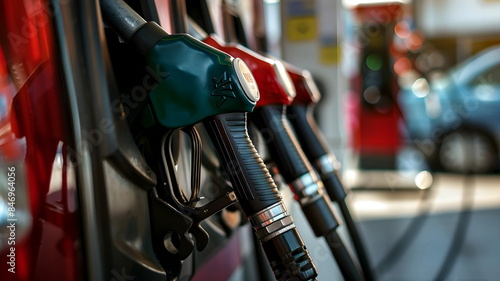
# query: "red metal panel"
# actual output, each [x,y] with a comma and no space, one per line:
[41,138]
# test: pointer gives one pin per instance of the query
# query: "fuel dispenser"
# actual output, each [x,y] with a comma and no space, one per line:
[374,116]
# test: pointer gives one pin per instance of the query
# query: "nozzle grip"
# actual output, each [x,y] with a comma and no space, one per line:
[283,146]
[295,168]
[253,184]
[259,198]
[316,149]
[308,133]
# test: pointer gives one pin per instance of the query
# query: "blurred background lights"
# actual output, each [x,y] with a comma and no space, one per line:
[423,180]
[421,87]
[374,62]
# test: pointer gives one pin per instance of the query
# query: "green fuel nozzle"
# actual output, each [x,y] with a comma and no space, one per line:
[200,81]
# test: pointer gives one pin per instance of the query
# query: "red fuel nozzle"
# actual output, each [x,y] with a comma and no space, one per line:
[305,87]
[274,83]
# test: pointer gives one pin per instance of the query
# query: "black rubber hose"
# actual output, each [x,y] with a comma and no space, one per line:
[121,18]
[130,26]
[347,266]
[356,241]
[334,187]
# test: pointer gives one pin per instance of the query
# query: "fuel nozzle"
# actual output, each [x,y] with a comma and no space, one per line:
[271,76]
[200,80]
[277,92]
[206,85]
[312,141]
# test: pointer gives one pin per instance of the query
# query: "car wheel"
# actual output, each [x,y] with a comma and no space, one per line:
[467,150]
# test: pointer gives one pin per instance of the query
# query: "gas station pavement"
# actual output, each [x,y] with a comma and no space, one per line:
[450,231]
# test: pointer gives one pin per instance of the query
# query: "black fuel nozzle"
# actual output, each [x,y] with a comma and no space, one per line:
[305,183]
[259,198]
[312,141]
[295,168]
[315,148]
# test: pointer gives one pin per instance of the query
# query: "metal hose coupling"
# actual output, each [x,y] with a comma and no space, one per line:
[307,188]
[271,222]
[326,164]
[289,258]
[316,205]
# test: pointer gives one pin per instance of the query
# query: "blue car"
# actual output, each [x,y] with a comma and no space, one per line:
[455,121]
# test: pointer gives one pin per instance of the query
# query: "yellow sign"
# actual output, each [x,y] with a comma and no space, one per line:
[302,28]
[329,54]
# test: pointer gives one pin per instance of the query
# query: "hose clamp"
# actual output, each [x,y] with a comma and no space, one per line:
[274,229]
[271,222]
[326,164]
[306,187]
[269,215]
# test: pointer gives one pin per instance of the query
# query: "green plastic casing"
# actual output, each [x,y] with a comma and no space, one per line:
[201,81]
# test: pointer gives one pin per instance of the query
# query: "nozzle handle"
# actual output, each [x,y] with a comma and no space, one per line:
[276,130]
[316,149]
[308,133]
[259,197]
[295,168]
[304,181]
[254,186]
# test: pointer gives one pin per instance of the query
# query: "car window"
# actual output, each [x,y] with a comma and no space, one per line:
[491,77]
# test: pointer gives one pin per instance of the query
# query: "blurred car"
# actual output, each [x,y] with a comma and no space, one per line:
[454,119]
